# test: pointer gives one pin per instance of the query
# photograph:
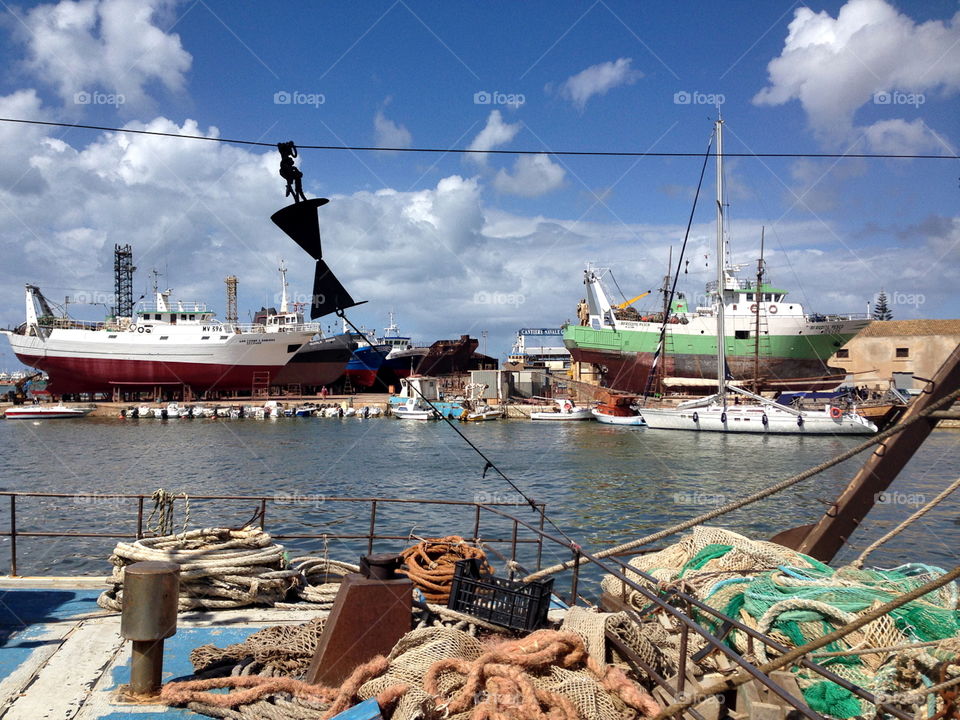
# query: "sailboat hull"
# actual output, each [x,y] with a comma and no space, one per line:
[755,419]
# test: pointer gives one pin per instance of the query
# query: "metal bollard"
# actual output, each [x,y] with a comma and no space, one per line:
[150,594]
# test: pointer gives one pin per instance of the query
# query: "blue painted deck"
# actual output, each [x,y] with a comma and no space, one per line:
[61,655]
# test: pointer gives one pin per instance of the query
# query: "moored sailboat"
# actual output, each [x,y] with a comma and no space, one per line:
[717,413]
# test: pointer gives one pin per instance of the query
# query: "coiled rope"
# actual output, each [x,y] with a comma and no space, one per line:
[219,568]
[431,564]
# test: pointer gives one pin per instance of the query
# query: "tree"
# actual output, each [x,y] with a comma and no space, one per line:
[881,311]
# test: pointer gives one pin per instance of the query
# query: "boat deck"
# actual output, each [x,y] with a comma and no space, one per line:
[61,655]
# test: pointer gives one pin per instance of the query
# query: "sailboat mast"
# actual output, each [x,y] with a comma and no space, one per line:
[721,269]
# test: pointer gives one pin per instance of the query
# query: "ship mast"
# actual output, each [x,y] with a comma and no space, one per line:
[721,270]
[283,281]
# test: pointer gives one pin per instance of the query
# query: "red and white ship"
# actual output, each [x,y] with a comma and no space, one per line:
[165,343]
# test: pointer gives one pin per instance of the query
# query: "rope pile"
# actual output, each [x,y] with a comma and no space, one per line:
[795,599]
[431,564]
[436,673]
[219,568]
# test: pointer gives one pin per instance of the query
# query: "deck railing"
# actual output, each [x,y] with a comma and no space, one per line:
[265,508]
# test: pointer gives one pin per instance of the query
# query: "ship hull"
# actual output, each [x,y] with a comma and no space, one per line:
[447,357]
[789,360]
[80,375]
[80,361]
[364,363]
[317,364]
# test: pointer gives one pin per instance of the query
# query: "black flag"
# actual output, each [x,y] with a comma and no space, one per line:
[301,223]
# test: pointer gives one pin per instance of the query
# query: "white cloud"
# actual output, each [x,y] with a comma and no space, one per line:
[200,211]
[598,80]
[533,175]
[899,136]
[496,132]
[834,66]
[390,134]
[108,46]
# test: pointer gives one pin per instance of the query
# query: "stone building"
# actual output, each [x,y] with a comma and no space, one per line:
[897,350]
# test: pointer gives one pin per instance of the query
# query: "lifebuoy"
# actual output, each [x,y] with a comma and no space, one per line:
[773,310]
[753,308]
[836,413]
[696,418]
[140,328]
[568,406]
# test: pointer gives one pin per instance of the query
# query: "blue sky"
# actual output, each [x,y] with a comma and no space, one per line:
[459,244]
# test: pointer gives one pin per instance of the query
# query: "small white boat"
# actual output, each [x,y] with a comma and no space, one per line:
[144,411]
[45,412]
[481,413]
[566,410]
[617,415]
[414,409]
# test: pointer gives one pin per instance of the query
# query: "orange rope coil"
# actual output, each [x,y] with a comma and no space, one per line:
[431,564]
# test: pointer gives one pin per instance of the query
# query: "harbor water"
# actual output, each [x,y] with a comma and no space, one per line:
[602,485]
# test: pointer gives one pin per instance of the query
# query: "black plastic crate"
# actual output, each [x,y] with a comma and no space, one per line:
[509,603]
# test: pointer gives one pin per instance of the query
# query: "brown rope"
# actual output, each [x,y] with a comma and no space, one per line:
[500,677]
[257,687]
[431,564]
